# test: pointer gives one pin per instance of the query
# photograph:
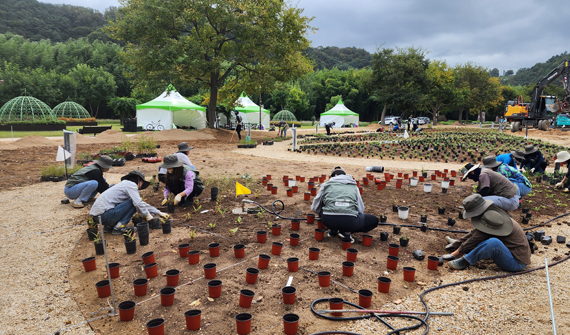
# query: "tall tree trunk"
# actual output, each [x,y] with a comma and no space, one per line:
[213,99]
[384,114]
[460,115]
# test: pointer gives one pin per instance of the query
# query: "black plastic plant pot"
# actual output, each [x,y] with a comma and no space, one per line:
[423,218]
[154,224]
[396,230]
[424,227]
[441,210]
[460,215]
[443,190]
[560,239]
[546,240]
[170,208]
[528,215]
[529,236]
[450,222]
[91,233]
[525,220]
[167,227]
[395,208]
[532,246]
[404,242]
[525,210]
[539,234]
[213,193]
[131,247]
[99,248]
[419,255]
[383,218]
[384,236]
[143,239]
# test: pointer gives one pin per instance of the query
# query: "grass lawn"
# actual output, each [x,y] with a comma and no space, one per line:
[17,134]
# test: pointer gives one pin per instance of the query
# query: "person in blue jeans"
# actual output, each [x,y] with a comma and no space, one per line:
[117,205]
[84,184]
[511,173]
[496,236]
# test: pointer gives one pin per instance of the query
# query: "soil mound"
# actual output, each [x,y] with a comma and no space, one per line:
[180,135]
[34,141]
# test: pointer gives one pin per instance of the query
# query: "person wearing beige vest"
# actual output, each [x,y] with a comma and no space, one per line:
[493,186]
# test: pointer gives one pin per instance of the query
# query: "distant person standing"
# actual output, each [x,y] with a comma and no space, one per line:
[409,122]
[283,128]
[328,127]
[238,125]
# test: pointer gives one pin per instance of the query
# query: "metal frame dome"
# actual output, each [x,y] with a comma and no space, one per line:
[71,109]
[284,115]
[25,108]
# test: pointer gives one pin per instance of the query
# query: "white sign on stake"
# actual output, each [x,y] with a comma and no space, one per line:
[62,154]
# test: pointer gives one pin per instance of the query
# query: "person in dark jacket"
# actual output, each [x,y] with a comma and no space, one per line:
[533,160]
[496,236]
[182,181]
[84,184]
[238,125]
[340,206]
[328,127]
[493,186]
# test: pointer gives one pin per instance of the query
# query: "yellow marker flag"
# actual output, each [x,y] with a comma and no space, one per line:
[240,189]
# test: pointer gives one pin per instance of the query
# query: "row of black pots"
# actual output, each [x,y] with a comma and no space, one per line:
[52,178]
[249,146]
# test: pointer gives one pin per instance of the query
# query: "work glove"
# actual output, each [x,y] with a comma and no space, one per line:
[532,170]
[177,199]
[149,217]
[163,215]
[164,201]
[559,185]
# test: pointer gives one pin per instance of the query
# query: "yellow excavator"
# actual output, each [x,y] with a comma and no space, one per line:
[542,109]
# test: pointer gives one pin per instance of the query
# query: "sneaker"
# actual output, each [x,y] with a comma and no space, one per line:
[107,229]
[123,229]
[77,203]
[448,257]
[566,190]
[346,235]
[332,233]
[450,247]
[459,264]
[450,240]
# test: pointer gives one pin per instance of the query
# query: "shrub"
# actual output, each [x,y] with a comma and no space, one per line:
[35,122]
[71,119]
[58,170]
[146,145]
[290,123]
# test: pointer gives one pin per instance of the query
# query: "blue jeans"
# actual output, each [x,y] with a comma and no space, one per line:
[82,191]
[523,189]
[122,213]
[494,249]
[507,204]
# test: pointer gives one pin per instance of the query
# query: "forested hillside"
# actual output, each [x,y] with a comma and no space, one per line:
[530,76]
[341,58]
[36,21]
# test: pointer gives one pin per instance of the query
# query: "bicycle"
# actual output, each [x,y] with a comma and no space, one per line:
[154,126]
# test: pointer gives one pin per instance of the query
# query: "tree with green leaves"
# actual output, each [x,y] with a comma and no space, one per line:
[399,79]
[208,40]
[441,87]
[94,86]
[484,90]
[124,107]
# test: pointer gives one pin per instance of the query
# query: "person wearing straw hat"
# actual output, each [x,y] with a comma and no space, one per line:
[340,206]
[181,180]
[511,158]
[564,157]
[182,154]
[492,186]
[511,173]
[118,204]
[495,236]
[84,184]
[533,160]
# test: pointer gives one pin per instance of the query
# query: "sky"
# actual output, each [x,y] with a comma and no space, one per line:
[503,34]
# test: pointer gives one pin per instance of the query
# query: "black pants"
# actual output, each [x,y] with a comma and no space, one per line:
[189,200]
[238,131]
[350,224]
[328,128]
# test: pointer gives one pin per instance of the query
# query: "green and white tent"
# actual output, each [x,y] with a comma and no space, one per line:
[340,115]
[171,109]
[249,111]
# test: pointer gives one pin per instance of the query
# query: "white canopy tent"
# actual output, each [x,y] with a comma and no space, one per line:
[249,111]
[171,108]
[340,115]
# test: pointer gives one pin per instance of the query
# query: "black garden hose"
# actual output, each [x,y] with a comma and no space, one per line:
[273,211]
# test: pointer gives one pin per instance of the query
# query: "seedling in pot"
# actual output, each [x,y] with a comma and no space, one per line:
[129,236]
[187,216]
[91,223]
[97,238]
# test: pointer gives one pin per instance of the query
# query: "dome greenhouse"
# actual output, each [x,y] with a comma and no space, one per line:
[71,109]
[25,108]
[284,115]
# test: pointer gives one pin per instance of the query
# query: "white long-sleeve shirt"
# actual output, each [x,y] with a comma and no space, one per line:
[118,194]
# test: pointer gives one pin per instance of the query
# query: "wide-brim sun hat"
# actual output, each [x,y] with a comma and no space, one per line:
[184,147]
[170,162]
[140,175]
[530,149]
[562,157]
[105,162]
[467,168]
[338,168]
[475,205]
[518,154]
[490,162]
[493,222]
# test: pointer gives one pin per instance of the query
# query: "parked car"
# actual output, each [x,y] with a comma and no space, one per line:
[391,120]
[423,120]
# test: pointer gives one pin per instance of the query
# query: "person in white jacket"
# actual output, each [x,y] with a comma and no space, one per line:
[118,204]
[340,206]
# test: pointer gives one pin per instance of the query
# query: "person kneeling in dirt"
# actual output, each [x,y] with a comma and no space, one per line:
[84,184]
[493,186]
[182,181]
[182,154]
[533,160]
[118,204]
[511,158]
[511,173]
[564,157]
[496,236]
[340,206]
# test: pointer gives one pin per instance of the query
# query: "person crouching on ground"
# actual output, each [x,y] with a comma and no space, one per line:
[84,184]
[493,186]
[182,181]
[182,154]
[118,204]
[340,206]
[511,173]
[496,236]
[564,157]
[533,160]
